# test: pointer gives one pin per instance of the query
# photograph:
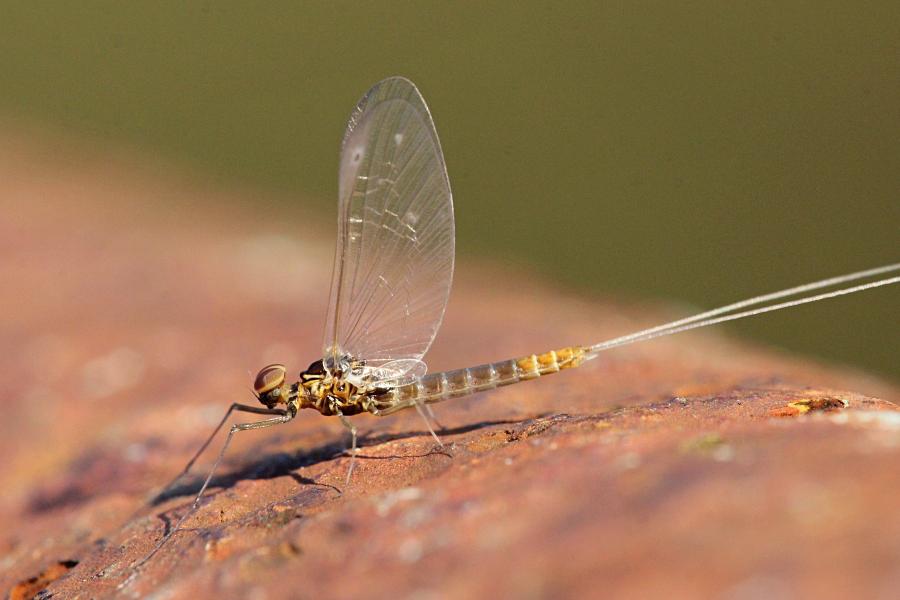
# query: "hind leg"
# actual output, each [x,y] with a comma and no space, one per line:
[424,411]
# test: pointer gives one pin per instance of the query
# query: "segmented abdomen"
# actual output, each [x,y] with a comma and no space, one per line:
[462,382]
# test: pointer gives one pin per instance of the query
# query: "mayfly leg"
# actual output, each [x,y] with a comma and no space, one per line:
[352,429]
[425,412]
[235,406]
[432,416]
[283,417]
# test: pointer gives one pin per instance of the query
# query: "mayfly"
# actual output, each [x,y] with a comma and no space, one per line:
[393,266]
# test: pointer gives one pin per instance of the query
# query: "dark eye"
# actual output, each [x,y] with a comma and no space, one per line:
[269,378]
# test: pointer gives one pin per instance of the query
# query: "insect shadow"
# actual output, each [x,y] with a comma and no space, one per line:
[280,464]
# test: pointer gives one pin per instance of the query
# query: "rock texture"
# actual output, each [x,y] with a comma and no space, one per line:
[137,306]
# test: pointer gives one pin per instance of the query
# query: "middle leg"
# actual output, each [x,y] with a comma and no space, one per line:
[352,428]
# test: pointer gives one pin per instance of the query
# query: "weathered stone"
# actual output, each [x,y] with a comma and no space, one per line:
[695,466]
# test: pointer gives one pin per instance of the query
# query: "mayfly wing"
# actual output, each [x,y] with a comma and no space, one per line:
[394,258]
[393,373]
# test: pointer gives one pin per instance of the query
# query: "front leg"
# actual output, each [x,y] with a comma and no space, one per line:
[234,407]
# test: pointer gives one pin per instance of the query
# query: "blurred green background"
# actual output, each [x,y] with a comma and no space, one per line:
[699,152]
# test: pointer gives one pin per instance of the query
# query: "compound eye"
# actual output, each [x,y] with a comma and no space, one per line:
[269,378]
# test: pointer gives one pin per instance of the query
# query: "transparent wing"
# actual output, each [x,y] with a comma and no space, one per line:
[393,373]
[394,259]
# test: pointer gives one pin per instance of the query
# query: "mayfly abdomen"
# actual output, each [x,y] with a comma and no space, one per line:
[438,387]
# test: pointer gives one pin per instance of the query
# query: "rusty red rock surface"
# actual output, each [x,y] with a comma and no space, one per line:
[695,466]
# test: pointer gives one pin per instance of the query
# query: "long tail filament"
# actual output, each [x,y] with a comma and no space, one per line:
[727,313]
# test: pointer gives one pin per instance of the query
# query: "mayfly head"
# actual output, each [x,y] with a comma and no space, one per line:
[270,386]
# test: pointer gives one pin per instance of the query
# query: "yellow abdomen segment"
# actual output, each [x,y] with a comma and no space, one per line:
[462,382]
[536,365]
